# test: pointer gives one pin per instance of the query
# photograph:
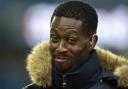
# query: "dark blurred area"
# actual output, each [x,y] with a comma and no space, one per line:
[13,46]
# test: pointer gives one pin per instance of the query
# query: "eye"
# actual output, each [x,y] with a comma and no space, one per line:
[72,40]
[54,38]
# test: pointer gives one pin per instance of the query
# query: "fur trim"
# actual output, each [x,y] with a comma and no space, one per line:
[118,64]
[39,65]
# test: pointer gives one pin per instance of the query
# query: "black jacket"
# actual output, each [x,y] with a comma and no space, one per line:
[104,83]
[39,69]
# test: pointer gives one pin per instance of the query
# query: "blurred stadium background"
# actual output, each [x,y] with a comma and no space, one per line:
[24,23]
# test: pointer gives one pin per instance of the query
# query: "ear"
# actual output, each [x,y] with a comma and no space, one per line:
[93,40]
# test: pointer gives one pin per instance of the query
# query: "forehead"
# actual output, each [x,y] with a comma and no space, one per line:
[66,23]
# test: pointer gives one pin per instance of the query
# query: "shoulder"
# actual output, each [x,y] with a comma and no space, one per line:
[107,80]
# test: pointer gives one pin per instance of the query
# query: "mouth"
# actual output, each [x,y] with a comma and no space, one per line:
[61,59]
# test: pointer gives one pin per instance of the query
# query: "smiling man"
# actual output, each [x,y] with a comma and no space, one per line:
[68,44]
[75,64]
[69,60]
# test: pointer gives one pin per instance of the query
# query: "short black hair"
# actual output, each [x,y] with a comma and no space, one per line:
[78,10]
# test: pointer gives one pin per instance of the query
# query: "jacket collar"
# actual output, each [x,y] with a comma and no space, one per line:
[39,65]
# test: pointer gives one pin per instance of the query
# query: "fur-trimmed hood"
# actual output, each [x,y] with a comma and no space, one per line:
[39,65]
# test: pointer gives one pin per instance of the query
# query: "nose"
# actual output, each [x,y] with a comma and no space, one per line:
[61,47]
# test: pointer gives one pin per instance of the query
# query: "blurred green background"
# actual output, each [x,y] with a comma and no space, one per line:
[14,36]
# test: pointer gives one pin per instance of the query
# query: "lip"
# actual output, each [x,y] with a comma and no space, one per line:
[61,59]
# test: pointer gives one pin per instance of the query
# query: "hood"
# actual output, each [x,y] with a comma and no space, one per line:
[39,65]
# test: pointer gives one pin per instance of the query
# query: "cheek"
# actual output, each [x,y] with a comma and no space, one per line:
[85,47]
[76,50]
[52,48]
[80,50]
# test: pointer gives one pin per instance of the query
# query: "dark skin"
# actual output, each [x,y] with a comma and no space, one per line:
[69,44]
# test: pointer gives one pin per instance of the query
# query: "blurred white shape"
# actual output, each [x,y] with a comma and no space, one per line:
[112,29]
[37,23]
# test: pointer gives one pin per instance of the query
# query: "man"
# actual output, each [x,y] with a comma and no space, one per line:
[74,63]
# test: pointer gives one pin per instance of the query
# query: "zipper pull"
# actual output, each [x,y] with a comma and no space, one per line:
[64,84]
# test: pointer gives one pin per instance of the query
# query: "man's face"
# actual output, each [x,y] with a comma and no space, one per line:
[69,45]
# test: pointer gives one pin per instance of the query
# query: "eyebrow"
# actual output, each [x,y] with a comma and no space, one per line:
[70,30]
